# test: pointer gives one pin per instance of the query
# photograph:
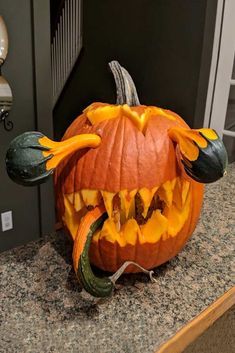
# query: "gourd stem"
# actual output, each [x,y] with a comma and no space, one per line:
[120,271]
[126,90]
[98,287]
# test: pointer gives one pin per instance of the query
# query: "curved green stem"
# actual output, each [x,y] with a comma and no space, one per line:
[98,287]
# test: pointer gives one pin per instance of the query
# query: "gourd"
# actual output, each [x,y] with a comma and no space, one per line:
[129,182]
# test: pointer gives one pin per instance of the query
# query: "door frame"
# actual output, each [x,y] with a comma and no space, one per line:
[221,68]
[43,101]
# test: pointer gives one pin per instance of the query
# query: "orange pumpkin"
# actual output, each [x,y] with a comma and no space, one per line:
[145,172]
[153,208]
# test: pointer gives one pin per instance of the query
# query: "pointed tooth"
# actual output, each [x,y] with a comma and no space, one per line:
[78,201]
[68,220]
[165,191]
[108,201]
[117,219]
[181,191]
[155,227]
[91,197]
[131,231]
[185,189]
[70,197]
[71,218]
[177,216]
[69,208]
[110,233]
[146,197]
[118,226]
[173,182]
[122,194]
[116,212]
[131,213]
[127,199]
[177,198]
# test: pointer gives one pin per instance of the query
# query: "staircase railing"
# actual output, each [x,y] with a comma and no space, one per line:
[66,45]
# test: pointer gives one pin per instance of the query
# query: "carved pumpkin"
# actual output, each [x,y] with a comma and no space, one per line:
[133,194]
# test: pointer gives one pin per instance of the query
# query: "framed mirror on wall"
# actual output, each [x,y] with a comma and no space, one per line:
[5,89]
[26,100]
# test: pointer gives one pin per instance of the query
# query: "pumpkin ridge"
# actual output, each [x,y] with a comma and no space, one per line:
[156,147]
[138,155]
[153,142]
[121,154]
[132,136]
[118,123]
[189,219]
[74,182]
[94,159]
[73,179]
[96,154]
[181,241]
[113,149]
[174,240]
[87,164]
[194,208]
[79,170]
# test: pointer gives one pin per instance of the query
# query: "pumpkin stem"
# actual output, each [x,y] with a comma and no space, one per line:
[126,90]
[120,271]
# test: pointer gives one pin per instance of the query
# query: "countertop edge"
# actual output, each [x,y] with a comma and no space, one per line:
[188,333]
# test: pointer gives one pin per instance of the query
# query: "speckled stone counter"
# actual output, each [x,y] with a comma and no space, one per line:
[42,307]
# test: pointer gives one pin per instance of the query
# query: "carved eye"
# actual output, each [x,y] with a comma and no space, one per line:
[203,154]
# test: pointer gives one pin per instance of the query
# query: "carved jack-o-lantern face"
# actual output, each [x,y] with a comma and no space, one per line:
[140,175]
[135,174]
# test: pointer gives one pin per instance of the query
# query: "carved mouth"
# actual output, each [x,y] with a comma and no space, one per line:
[144,215]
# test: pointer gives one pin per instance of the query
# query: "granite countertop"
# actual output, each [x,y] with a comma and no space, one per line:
[42,307]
